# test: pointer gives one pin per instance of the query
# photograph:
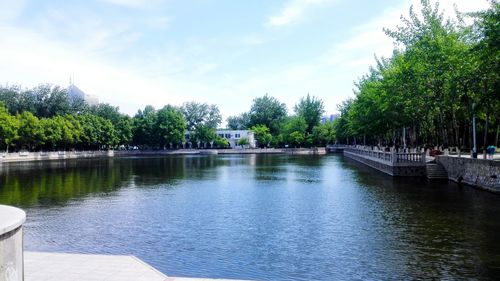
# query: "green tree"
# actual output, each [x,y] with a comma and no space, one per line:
[204,134]
[72,130]
[8,127]
[30,130]
[201,114]
[57,103]
[267,111]
[221,142]
[90,130]
[52,131]
[9,96]
[144,127]
[106,111]
[97,132]
[124,130]
[294,131]
[239,122]
[171,126]
[324,134]
[106,133]
[296,138]
[262,135]
[311,109]
[243,141]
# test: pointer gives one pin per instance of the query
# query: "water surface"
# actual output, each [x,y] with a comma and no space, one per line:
[262,217]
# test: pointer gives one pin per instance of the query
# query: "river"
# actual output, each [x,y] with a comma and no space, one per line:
[259,217]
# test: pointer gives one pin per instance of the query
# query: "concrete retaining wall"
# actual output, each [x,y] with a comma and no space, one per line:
[58,155]
[11,243]
[388,168]
[476,172]
[55,155]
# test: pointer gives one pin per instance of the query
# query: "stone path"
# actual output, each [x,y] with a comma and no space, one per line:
[42,266]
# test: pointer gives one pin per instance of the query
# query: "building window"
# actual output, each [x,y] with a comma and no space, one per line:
[228,136]
[221,135]
[236,136]
[187,137]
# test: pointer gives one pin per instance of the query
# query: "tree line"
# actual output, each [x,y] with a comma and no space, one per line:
[442,76]
[268,118]
[47,118]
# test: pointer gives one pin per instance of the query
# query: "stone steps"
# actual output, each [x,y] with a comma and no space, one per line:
[436,171]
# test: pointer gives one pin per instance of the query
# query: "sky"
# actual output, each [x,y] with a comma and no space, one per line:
[131,53]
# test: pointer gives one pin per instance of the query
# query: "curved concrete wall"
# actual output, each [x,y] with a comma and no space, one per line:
[11,243]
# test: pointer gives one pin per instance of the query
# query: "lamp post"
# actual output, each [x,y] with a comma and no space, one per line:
[474,148]
[404,139]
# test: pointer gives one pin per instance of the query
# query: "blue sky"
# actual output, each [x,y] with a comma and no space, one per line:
[132,53]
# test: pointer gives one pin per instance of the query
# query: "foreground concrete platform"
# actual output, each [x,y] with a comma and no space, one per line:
[42,266]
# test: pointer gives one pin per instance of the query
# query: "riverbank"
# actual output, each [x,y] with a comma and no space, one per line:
[61,155]
[479,173]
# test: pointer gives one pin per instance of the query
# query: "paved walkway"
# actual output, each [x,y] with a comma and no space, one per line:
[496,156]
[41,266]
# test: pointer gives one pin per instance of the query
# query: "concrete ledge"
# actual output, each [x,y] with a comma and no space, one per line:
[11,243]
[58,155]
[10,218]
[479,173]
[62,267]
[86,267]
[387,167]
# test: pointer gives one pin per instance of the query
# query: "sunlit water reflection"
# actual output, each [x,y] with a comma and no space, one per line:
[258,217]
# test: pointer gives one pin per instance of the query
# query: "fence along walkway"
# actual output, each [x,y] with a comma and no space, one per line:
[392,158]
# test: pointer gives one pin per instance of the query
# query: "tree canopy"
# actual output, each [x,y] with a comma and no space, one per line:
[441,74]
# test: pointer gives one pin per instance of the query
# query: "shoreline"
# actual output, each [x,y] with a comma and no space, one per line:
[63,155]
[477,173]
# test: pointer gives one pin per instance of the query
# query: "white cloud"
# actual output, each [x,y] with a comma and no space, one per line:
[159,22]
[187,70]
[127,3]
[11,9]
[253,40]
[293,11]
[37,60]
[331,75]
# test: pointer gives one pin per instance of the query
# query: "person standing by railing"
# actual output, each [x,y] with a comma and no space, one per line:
[490,150]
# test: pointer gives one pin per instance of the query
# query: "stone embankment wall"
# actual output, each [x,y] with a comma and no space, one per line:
[476,172]
[55,155]
[388,167]
[58,155]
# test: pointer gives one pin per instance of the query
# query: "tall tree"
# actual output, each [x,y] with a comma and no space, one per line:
[144,125]
[239,122]
[30,130]
[170,126]
[294,131]
[262,135]
[268,111]
[197,114]
[8,127]
[311,109]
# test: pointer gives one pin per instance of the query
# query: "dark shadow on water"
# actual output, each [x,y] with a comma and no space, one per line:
[439,215]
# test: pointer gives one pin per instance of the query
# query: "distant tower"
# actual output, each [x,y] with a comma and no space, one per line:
[75,93]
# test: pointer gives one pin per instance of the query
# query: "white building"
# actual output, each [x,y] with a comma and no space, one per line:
[75,93]
[232,136]
[330,118]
